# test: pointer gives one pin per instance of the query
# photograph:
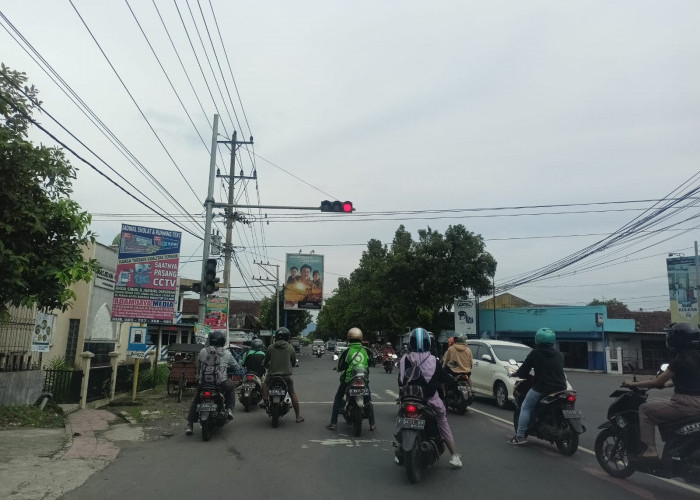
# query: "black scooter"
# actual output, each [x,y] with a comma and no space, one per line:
[458,395]
[618,446]
[211,411]
[357,404]
[278,401]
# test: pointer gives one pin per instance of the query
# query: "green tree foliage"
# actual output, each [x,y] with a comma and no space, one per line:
[410,283]
[297,320]
[42,231]
[615,308]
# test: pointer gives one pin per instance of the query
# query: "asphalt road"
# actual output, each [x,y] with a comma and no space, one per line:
[250,459]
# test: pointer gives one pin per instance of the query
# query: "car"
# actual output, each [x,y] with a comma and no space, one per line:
[340,347]
[330,345]
[493,364]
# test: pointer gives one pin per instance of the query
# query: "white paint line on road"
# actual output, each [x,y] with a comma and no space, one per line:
[591,452]
[392,393]
[375,403]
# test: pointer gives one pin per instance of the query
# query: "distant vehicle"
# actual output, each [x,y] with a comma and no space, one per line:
[330,345]
[318,344]
[296,344]
[340,347]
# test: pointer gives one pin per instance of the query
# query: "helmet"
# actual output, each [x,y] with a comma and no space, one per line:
[282,334]
[682,336]
[545,336]
[217,338]
[388,344]
[355,334]
[459,339]
[419,340]
[257,345]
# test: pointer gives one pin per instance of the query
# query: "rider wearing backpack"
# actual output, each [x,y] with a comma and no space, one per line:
[420,372]
[212,364]
[355,356]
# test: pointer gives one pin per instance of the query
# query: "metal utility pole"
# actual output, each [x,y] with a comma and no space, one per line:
[277,288]
[229,209]
[208,204]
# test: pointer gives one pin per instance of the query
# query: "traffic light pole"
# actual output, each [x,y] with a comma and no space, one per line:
[209,205]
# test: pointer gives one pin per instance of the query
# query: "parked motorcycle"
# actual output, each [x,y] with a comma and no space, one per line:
[419,444]
[458,395]
[389,363]
[618,445]
[554,419]
[250,392]
[211,411]
[278,400]
[357,404]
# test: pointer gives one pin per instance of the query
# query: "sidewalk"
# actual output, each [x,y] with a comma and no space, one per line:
[46,463]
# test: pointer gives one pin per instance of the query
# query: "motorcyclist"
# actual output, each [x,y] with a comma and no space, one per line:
[419,355]
[458,359]
[279,360]
[355,356]
[549,377]
[253,359]
[683,373]
[226,362]
[387,351]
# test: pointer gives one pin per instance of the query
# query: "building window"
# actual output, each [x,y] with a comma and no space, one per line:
[72,342]
[101,351]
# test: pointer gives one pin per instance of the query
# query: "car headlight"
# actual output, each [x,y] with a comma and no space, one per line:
[510,370]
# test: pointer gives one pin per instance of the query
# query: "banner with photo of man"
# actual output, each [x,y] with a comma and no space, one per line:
[303,281]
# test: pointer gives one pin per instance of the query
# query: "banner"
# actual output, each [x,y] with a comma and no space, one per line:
[303,288]
[216,315]
[682,287]
[147,267]
[465,318]
[42,332]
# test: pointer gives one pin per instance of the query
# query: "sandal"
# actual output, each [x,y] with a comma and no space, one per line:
[300,420]
[331,427]
[372,428]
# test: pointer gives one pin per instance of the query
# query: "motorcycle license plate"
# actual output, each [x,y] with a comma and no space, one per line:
[206,407]
[410,423]
[248,387]
[277,392]
[572,413]
[358,392]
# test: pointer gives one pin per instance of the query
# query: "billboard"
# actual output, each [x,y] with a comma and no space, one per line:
[682,289]
[465,318]
[216,315]
[146,275]
[43,326]
[303,284]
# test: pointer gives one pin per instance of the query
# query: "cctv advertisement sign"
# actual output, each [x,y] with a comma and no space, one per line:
[465,318]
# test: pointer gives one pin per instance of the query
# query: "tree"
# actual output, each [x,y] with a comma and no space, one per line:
[42,231]
[409,284]
[296,320]
[615,308]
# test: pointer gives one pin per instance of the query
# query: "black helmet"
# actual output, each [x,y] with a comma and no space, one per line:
[682,336]
[257,345]
[459,339]
[217,338]
[282,334]
[419,340]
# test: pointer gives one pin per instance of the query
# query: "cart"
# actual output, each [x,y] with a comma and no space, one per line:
[182,359]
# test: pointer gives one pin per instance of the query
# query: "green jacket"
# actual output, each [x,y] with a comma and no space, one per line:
[355,356]
[280,358]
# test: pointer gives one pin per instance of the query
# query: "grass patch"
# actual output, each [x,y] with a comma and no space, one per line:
[31,416]
[135,413]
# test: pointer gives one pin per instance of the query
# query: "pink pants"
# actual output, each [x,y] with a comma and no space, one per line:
[441,414]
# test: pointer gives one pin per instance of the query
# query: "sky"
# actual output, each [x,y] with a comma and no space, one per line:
[581,114]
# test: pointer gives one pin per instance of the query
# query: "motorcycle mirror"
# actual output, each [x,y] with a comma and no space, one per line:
[664,367]
[335,357]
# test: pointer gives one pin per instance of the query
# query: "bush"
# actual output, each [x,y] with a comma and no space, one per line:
[31,416]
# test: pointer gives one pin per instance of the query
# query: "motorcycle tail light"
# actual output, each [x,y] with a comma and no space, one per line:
[358,383]
[411,411]
[571,397]
[206,394]
[250,376]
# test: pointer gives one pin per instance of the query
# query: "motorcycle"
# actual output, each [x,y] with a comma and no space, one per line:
[458,395]
[357,404]
[618,442]
[250,393]
[419,444]
[389,363]
[554,418]
[211,411]
[317,351]
[278,400]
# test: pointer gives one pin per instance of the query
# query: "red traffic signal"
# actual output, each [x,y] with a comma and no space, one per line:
[337,206]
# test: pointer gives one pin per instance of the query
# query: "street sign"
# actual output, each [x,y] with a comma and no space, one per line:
[137,348]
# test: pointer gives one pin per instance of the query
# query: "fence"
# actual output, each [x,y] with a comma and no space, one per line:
[643,361]
[99,383]
[64,385]
[16,341]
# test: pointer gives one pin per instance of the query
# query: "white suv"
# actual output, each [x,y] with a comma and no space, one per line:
[494,362]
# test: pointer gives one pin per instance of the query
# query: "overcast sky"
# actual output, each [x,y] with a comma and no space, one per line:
[395,106]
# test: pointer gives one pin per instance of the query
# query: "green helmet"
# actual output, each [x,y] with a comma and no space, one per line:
[545,336]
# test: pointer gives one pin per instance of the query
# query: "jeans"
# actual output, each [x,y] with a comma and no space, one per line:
[531,400]
[338,400]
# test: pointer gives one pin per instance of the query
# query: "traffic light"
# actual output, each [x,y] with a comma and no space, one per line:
[337,206]
[197,287]
[210,279]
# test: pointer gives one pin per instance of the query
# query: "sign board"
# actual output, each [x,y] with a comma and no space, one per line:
[303,285]
[465,318]
[138,347]
[104,278]
[43,328]
[682,289]
[201,333]
[599,321]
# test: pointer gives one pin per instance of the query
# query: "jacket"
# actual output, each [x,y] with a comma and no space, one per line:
[253,362]
[280,358]
[549,369]
[458,358]
[354,356]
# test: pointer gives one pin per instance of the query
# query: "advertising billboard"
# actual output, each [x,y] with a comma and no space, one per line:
[465,318]
[146,275]
[216,315]
[303,282]
[682,289]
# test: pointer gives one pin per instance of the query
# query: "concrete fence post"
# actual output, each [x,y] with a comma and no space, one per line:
[114,361]
[86,360]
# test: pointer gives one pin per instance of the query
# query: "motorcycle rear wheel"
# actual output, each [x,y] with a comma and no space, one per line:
[612,454]
[275,410]
[206,429]
[414,463]
[569,444]
[357,422]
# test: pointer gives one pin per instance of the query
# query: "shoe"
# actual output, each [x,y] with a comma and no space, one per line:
[455,461]
[229,413]
[331,427]
[188,429]
[372,428]
[517,440]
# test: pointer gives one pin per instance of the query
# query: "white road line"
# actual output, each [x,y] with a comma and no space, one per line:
[391,393]
[591,452]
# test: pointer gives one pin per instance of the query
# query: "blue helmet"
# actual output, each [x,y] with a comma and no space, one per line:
[419,340]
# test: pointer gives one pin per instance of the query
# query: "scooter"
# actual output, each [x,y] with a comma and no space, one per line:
[357,403]
[278,400]
[554,418]
[211,411]
[250,391]
[458,395]
[618,445]
[389,363]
